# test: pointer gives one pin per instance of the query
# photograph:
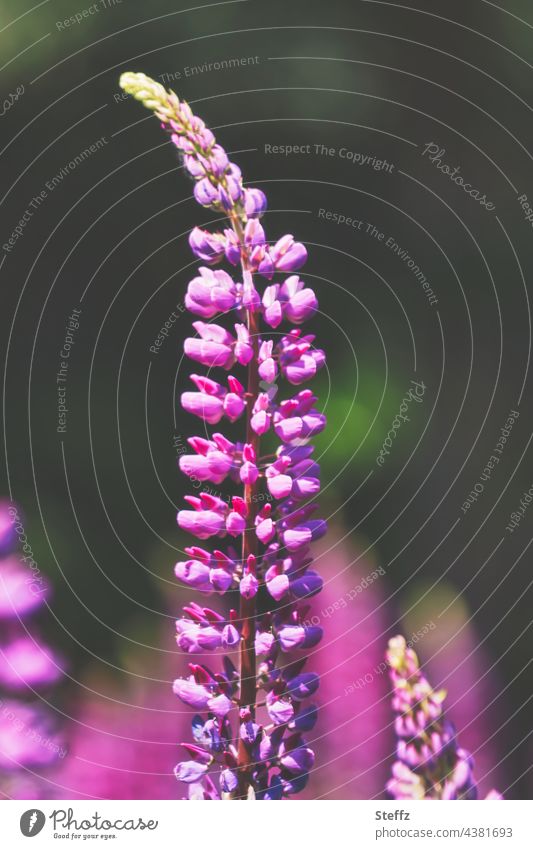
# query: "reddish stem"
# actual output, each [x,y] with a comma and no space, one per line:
[249,546]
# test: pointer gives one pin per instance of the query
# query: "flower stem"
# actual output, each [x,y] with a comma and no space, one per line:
[249,546]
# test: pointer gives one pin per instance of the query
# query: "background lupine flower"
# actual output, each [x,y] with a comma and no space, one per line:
[30,739]
[246,745]
[456,658]
[431,764]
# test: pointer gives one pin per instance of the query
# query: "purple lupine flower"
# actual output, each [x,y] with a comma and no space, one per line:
[211,293]
[191,693]
[253,761]
[212,401]
[206,246]
[213,461]
[213,346]
[430,764]
[189,771]
[255,202]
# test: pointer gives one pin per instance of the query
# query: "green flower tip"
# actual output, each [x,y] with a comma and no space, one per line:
[151,93]
[396,654]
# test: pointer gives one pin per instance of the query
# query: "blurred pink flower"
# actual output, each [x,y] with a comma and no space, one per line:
[351,748]
[124,738]
[29,736]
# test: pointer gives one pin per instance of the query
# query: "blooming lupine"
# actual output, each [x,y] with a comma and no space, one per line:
[251,719]
[29,736]
[430,764]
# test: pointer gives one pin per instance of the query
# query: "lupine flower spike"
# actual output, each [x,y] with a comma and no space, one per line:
[430,763]
[246,744]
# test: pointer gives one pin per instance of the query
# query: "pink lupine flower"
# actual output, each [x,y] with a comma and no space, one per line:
[244,351]
[213,461]
[203,523]
[212,400]
[299,303]
[272,310]
[288,255]
[212,347]
[249,471]
[255,202]
[208,247]
[211,293]
[213,466]
[298,360]
[193,694]
[290,300]
[261,414]
[252,762]
[190,771]
[299,637]
[194,573]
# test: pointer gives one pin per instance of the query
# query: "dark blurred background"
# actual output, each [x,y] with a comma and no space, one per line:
[362,79]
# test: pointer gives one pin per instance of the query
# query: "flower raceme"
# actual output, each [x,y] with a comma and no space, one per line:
[430,764]
[251,718]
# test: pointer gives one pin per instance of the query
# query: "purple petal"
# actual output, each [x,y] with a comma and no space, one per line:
[249,586]
[193,694]
[303,685]
[206,407]
[220,705]
[189,771]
